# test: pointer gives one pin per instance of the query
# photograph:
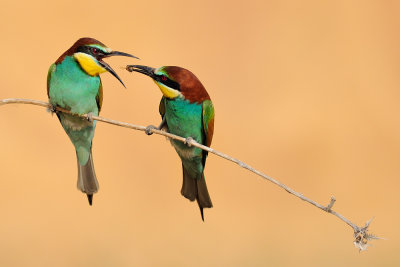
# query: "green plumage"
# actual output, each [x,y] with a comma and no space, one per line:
[187,111]
[71,88]
[190,120]
[185,119]
[73,83]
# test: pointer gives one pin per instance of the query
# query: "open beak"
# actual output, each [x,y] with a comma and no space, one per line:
[108,68]
[149,71]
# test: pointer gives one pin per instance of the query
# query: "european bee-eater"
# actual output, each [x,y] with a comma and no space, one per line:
[73,83]
[186,110]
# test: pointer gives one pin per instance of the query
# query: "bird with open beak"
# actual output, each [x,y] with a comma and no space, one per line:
[73,83]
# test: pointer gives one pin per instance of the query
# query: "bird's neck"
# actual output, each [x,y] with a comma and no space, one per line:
[168,92]
[89,64]
[73,72]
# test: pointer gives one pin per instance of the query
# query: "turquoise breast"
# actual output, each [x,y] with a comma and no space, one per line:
[70,87]
[185,119]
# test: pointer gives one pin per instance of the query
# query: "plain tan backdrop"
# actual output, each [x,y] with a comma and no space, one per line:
[306,91]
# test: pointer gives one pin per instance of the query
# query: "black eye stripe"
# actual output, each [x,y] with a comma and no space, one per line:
[84,49]
[167,81]
[90,50]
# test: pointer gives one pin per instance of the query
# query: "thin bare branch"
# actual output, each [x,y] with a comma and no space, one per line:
[330,205]
[360,233]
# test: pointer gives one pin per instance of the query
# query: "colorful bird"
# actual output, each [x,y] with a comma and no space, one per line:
[73,83]
[186,110]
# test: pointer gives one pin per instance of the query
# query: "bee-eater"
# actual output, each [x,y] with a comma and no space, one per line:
[186,110]
[73,83]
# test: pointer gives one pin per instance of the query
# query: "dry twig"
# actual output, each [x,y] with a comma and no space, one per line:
[361,234]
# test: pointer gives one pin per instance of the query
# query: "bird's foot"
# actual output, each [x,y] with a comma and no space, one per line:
[149,129]
[52,109]
[188,141]
[90,116]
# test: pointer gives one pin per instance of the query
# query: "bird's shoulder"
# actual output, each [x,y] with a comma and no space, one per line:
[52,69]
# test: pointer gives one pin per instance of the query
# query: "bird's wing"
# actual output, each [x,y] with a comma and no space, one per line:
[99,97]
[52,69]
[161,107]
[208,121]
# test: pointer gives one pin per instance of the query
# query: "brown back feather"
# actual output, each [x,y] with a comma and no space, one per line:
[193,90]
[191,87]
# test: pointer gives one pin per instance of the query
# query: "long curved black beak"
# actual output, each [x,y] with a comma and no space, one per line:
[149,71]
[117,53]
[108,68]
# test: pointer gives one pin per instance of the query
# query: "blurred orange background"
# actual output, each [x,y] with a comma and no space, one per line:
[305,91]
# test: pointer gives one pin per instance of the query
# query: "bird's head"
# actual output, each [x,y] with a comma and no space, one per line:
[89,53]
[174,82]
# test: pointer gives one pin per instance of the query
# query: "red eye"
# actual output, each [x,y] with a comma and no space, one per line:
[94,50]
[163,78]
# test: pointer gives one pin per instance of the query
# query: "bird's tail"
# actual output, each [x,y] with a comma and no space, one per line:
[193,188]
[87,181]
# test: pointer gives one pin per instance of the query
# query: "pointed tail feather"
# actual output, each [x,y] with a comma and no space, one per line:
[90,198]
[193,188]
[189,186]
[203,197]
[87,181]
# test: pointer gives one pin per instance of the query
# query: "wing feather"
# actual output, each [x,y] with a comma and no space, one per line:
[52,69]
[161,107]
[99,97]
[208,121]
[208,125]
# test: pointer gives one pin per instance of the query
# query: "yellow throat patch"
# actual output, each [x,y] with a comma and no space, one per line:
[168,92]
[89,64]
